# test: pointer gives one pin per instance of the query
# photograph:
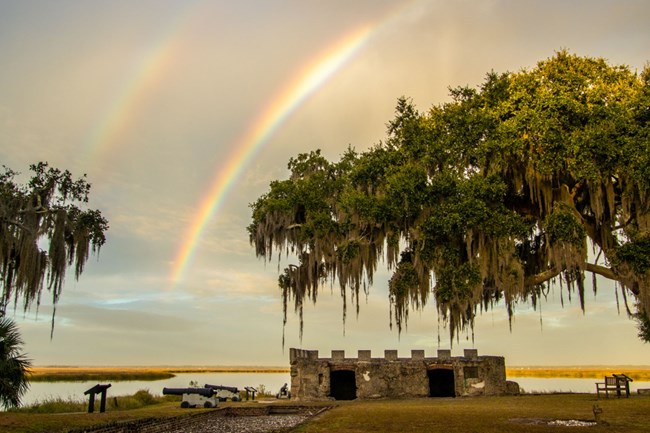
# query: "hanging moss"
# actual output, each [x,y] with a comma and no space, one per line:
[47,208]
[636,254]
[490,196]
[403,289]
[643,325]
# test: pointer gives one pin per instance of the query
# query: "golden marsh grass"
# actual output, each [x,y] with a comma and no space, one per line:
[82,373]
[637,373]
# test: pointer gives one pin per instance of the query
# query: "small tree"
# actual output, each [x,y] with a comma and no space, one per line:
[14,367]
[44,209]
[43,231]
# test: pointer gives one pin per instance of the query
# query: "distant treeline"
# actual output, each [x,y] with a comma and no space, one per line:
[105,376]
[636,373]
[82,374]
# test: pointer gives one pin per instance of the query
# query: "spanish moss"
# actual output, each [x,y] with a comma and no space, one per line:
[491,196]
[44,212]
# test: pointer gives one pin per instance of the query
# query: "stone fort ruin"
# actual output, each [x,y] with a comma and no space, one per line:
[364,377]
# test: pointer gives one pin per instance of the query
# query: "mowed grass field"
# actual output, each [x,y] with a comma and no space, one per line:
[526,413]
[21,422]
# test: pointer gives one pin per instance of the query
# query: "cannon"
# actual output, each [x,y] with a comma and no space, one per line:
[194,397]
[225,392]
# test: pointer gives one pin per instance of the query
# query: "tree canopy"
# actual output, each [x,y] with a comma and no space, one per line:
[44,229]
[533,177]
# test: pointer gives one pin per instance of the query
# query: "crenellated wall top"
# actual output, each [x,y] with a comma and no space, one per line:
[366,355]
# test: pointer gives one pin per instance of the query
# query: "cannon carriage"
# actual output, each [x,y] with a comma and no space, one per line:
[194,397]
[225,392]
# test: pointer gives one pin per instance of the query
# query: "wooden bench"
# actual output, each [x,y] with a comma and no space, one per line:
[617,382]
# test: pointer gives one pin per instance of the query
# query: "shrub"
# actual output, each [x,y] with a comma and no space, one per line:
[54,405]
[145,397]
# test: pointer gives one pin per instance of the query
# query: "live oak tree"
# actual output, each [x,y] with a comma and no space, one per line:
[534,177]
[44,229]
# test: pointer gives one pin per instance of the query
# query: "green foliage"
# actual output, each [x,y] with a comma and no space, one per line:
[456,284]
[643,325]
[44,211]
[348,251]
[14,366]
[145,397]
[636,253]
[490,195]
[141,398]
[55,405]
[562,226]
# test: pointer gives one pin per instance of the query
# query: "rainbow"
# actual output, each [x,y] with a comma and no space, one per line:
[281,107]
[133,90]
[287,101]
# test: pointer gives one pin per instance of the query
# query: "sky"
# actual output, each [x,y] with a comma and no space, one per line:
[182,112]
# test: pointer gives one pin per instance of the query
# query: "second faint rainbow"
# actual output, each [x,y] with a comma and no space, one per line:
[303,85]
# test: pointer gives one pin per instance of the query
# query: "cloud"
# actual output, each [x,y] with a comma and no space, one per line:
[68,67]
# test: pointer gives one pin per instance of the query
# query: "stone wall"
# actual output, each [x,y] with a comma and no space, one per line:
[364,377]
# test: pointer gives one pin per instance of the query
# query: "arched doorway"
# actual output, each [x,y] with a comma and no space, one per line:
[343,385]
[441,382]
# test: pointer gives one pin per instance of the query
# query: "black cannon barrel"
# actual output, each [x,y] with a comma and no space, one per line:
[227,388]
[205,392]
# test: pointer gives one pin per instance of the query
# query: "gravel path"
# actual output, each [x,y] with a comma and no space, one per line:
[243,424]
[261,419]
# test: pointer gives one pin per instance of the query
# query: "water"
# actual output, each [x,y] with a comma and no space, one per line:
[556,384]
[39,391]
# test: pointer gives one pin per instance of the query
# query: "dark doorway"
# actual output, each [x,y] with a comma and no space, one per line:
[343,385]
[441,383]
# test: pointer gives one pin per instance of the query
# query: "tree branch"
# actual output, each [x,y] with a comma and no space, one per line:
[19,225]
[541,277]
[601,270]
[625,224]
[554,272]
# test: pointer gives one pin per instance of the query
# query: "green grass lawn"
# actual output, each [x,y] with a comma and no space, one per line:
[430,415]
[24,422]
[482,414]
